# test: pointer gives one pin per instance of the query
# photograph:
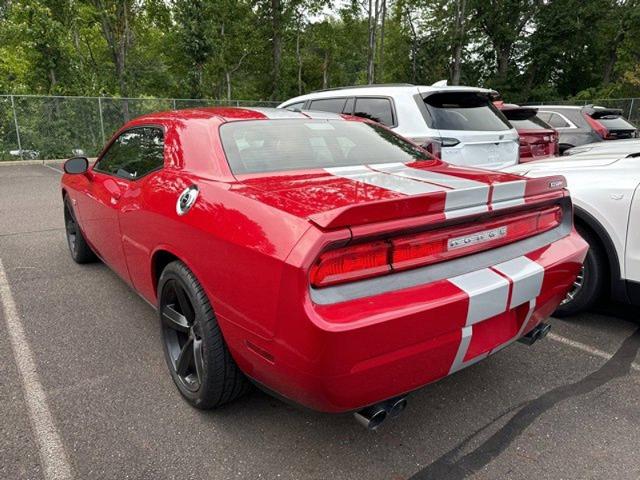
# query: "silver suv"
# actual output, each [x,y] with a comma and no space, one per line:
[458,124]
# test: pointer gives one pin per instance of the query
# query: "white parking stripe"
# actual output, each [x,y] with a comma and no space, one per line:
[51,449]
[394,183]
[53,168]
[585,348]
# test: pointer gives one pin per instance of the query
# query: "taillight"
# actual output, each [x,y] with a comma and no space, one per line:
[351,263]
[434,145]
[365,260]
[597,127]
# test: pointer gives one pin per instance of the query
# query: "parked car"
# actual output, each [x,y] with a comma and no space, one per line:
[538,139]
[25,154]
[458,124]
[326,259]
[579,125]
[605,188]
[621,146]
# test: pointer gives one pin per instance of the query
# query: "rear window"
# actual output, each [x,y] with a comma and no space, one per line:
[533,123]
[257,146]
[613,122]
[464,111]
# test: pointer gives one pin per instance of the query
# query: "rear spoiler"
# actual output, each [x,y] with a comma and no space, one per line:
[600,113]
[521,113]
[434,203]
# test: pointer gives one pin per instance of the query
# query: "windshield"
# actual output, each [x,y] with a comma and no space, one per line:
[464,111]
[258,146]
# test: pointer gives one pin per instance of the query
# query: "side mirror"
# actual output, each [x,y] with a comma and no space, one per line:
[76,165]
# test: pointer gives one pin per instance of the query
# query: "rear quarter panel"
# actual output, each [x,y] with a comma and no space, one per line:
[234,245]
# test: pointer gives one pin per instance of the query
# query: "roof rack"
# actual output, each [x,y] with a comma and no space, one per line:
[366,86]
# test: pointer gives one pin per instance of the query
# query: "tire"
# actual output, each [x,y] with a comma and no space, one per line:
[594,271]
[195,351]
[78,247]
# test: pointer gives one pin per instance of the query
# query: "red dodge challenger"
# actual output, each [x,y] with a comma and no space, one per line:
[324,258]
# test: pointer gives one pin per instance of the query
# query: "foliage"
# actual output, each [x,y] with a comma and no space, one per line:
[274,49]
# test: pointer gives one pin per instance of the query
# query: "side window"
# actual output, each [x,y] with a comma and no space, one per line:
[553,119]
[348,108]
[334,105]
[377,109]
[295,107]
[134,153]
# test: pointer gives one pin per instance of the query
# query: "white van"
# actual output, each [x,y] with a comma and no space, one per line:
[459,124]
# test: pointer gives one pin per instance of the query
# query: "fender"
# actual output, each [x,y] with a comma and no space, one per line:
[618,288]
[173,251]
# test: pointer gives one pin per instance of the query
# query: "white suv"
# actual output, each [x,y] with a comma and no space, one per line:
[459,124]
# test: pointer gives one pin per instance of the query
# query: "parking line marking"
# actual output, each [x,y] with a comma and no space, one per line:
[53,168]
[52,454]
[585,348]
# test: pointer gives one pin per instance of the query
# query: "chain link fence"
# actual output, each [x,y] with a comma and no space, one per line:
[52,127]
[630,106]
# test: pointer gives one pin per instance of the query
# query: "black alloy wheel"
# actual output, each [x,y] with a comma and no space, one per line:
[78,247]
[195,350]
[182,335]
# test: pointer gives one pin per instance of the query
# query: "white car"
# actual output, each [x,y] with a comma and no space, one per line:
[605,189]
[459,124]
[606,147]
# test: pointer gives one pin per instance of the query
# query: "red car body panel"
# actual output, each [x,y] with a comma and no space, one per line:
[251,240]
[541,141]
[538,144]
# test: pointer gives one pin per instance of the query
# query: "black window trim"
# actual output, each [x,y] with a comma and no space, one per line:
[394,115]
[157,126]
[307,104]
[571,125]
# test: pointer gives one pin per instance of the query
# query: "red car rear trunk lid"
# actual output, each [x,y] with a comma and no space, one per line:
[359,195]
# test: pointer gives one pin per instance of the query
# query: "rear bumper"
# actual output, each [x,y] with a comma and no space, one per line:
[343,356]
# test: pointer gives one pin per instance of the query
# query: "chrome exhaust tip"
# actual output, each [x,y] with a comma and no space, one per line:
[371,417]
[395,406]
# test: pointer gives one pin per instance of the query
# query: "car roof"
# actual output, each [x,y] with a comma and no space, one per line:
[230,114]
[572,107]
[384,90]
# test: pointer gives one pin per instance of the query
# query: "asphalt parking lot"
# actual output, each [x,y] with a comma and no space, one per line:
[99,402]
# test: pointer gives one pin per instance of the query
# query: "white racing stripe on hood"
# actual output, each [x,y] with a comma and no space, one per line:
[394,183]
